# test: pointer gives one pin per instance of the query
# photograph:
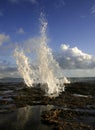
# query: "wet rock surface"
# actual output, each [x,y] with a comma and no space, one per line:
[73,109]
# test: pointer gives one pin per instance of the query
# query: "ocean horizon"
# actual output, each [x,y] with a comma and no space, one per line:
[71,79]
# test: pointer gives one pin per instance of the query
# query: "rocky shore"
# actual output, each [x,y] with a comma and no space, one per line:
[73,109]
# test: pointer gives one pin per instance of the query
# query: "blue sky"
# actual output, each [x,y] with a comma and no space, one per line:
[70,22]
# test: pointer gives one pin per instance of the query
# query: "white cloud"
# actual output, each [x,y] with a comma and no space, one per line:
[93,9]
[73,58]
[4,38]
[64,46]
[20,31]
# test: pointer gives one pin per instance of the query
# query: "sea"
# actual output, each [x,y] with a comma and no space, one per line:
[71,79]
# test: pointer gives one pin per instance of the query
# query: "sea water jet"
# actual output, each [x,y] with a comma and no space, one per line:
[47,67]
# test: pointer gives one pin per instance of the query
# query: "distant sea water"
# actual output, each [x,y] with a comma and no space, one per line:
[82,79]
[72,79]
[9,80]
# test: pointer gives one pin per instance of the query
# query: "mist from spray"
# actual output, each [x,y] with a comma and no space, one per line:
[47,66]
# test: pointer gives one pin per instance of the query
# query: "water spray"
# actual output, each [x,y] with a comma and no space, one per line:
[46,64]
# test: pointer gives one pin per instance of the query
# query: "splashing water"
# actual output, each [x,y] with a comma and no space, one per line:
[23,66]
[46,62]
[47,66]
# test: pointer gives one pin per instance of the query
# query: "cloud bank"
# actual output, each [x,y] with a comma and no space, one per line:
[74,58]
[8,72]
